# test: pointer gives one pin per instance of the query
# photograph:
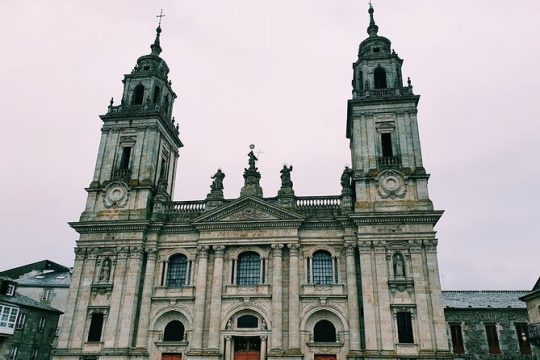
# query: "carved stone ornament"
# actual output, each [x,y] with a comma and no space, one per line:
[116,195]
[391,184]
[249,213]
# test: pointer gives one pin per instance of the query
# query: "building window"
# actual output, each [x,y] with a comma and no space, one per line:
[47,295]
[138,95]
[324,331]
[247,322]
[10,290]
[13,353]
[157,94]
[522,333]
[457,339]
[41,324]
[96,326]
[323,273]
[249,269]
[404,325]
[8,318]
[21,320]
[126,155]
[380,78]
[174,331]
[386,144]
[163,169]
[35,354]
[492,339]
[177,271]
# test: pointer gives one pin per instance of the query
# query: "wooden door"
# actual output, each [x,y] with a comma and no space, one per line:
[325,357]
[171,357]
[247,348]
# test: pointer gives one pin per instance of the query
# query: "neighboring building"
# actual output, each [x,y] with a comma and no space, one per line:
[486,323]
[532,299]
[44,281]
[27,327]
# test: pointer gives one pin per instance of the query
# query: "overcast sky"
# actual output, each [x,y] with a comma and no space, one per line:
[277,74]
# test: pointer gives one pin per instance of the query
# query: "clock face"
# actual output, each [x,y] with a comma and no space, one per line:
[391,184]
[116,195]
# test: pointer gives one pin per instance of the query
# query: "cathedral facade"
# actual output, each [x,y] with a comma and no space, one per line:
[351,275]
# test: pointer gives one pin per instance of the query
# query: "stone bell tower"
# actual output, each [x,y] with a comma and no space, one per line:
[383,131]
[138,152]
[402,310]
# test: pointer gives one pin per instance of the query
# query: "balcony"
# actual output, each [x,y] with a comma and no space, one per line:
[121,174]
[385,162]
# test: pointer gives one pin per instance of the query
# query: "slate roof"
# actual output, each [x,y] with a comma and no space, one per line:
[26,301]
[484,299]
[39,266]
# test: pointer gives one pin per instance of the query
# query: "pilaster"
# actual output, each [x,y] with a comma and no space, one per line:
[294,301]
[200,298]
[277,298]
[215,305]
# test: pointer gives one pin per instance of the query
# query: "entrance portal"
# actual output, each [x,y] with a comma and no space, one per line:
[171,357]
[247,348]
[325,357]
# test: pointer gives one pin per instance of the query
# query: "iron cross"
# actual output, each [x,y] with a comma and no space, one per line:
[160,16]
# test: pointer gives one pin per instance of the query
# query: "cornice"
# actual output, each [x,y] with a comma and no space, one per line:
[271,224]
[431,217]
[109,226]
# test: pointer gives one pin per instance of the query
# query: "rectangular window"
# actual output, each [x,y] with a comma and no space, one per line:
[96,326]
[492,339]
[386,142]
[522,333]
[13,353]
[41,324]
[8,318]
[47,295]
[21,321]
[404,324]
[457,339]
[10,290]
[163,169]
[35,354]
[126,154]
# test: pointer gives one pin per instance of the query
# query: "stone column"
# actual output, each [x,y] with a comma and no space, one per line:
[228,352]
[200,297]
[215,305]
[294,300]
[144,313]
[277,297]
[352,298]
[263,348]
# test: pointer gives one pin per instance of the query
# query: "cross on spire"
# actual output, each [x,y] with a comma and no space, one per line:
[160,16]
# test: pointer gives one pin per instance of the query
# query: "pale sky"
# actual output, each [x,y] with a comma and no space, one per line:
[278,74]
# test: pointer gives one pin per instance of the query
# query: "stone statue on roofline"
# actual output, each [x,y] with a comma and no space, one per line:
[217,184]
[286,181]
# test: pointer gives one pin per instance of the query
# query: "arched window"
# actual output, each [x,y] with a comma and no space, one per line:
[249,268]
[174,331]
[247,322]
[177,271]
[324,331]
[380,78]
[399,265]
[166,104]
[157,94]
[322,268]
[138,95]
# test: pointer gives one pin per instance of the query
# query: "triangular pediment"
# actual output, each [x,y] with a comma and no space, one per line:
[249,209]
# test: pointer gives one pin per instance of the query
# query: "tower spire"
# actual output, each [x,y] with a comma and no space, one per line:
[156,47]
[372,28]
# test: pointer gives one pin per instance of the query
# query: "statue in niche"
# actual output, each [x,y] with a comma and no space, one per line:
[217,184]
[105,273]
[346,177]
[229,325]
[399,265]
[286,176]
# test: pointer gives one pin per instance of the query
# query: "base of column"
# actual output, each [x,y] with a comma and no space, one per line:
[284,356]
[203,355]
